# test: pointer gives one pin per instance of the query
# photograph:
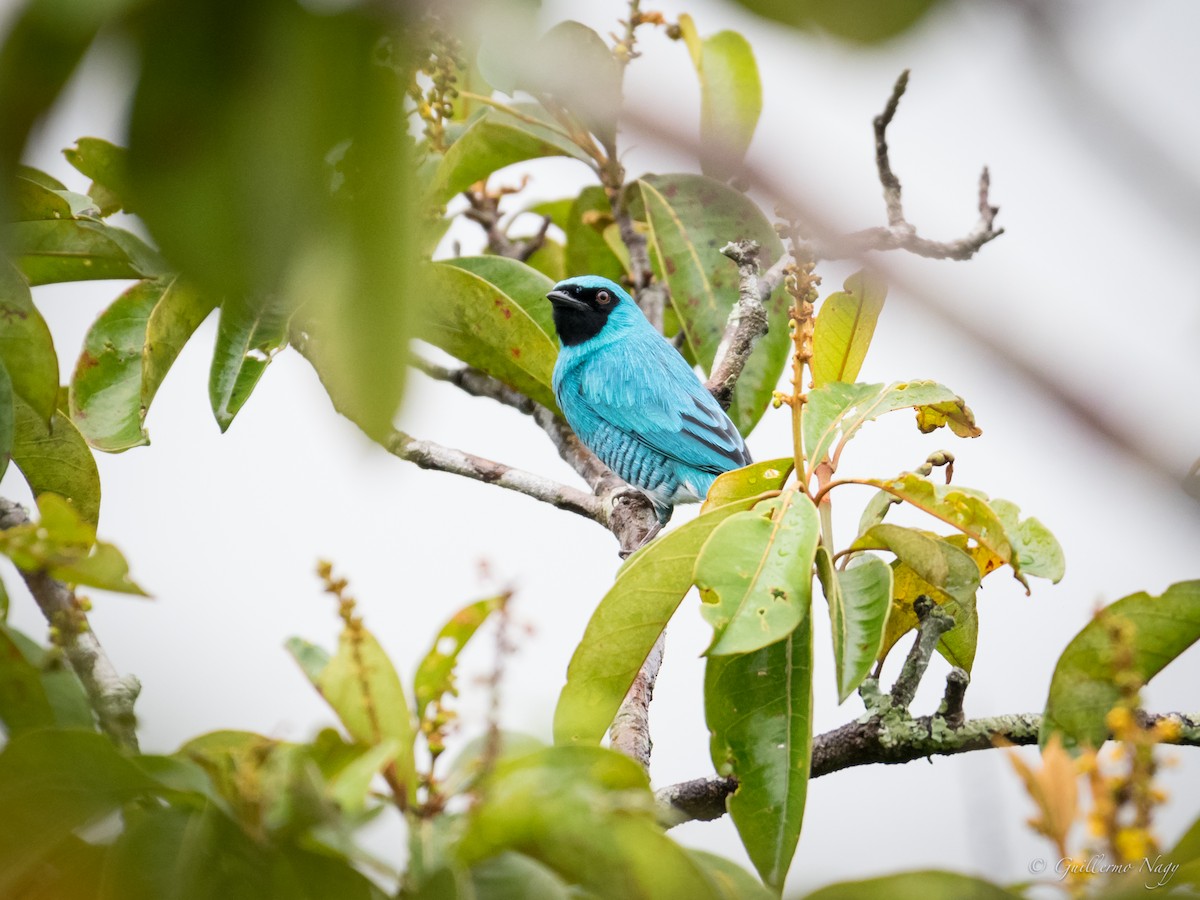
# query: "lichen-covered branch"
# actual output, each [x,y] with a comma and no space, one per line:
[746,325]
[630,730]
[110,694]
[888,742]
[934,622]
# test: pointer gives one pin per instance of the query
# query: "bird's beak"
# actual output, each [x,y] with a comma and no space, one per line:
[565,299]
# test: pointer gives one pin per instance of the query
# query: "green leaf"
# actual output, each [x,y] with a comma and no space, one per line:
[80,250]
[350,785]
[575,66]
[521,283]
[928,885]
[955,414]
[625,625]
[749,481]
[126,354]
[360,684]
[859,599]
[63,545]
[26,348]
[107,165]
[730,97]
[759,711]
[856,21]
[691,217]
[249,334]
[479,323]
[490,143]
[836,411]
[550,259]
[731,881]
[755,573]
[199,854]
[514,876]
[844,328]
[36,196]
[7,413]
[56,460]
[1037,549]
[1085,685]
[941,571]
[435,675]
[587,814]
[52,782]
[587,250]
[968,511]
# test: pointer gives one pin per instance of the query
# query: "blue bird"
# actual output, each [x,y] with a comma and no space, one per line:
[633,400]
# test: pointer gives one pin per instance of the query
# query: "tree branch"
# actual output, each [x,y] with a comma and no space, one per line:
[747,323]
[477,384]
[429,455]
[934,622]
[878,741]
[110,694]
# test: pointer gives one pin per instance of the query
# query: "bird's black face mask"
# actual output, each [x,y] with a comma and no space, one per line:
[580,312]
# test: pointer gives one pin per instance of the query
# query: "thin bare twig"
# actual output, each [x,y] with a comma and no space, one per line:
[477,384]
[110,694]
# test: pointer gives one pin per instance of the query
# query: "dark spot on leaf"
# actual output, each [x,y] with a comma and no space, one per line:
[670,190]
[504,309]
[87,361]
[670,264]
[8,313]
[516,352]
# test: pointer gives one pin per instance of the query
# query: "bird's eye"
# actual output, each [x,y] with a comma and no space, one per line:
[602,297]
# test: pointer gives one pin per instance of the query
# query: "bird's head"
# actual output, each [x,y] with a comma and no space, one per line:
[582,306]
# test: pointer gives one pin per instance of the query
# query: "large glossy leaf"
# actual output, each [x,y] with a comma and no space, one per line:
[749,481]
[844,328]
[476,321]
[64,545]
[587,814]
[360,683]
[929,885]
[490,143]
[80,250]
[755,573]
[56,460]
[435,675]
[857,21]
[859,600]
[759,711]
[126,354]
[588,253]
[52,782]
[625,625]
[249,334]
[730,97]
[691,217]
[108,167]
[836,411]
[26,348]
[947,574]
[523,284]
[1085,685]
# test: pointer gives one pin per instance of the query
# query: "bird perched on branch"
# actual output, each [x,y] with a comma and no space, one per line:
[633,400]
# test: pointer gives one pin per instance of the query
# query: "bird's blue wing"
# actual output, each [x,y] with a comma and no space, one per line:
[642,386]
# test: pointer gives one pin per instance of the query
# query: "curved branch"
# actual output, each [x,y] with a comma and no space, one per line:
[747,323]
[110,694]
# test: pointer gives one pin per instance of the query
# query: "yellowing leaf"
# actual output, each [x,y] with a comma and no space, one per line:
[1053,789]
[844,327]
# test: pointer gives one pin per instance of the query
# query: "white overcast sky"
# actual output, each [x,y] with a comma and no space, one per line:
[1096,280]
